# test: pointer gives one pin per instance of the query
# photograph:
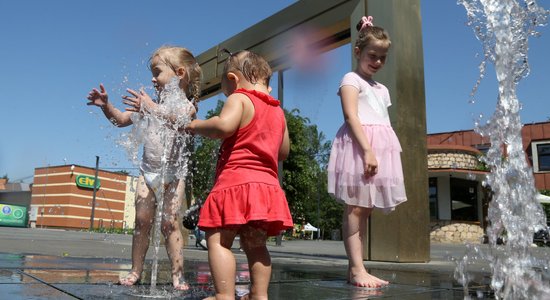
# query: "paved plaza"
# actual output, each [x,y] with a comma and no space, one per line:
[57,264]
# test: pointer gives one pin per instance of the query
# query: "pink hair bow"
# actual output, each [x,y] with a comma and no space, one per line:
[367,21]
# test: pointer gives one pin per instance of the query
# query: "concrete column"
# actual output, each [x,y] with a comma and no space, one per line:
[403,235]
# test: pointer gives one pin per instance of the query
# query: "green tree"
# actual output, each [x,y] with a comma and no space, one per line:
[305,176]
[203,160]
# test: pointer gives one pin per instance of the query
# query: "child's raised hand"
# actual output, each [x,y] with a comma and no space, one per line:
[98,97]
[137,100]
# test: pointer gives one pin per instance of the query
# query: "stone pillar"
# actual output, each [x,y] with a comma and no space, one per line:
[403,235]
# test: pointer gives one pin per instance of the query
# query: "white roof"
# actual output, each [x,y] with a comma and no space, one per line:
[543,199]
[309,227]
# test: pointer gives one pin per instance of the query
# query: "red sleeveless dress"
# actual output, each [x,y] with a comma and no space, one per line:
[247,187]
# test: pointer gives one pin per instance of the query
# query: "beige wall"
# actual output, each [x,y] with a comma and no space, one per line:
[129,202]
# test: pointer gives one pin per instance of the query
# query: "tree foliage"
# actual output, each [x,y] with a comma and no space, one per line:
[305,176]
[203,160]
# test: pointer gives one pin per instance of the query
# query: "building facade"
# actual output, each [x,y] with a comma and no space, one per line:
[63,197]
[456,194]
[15,199]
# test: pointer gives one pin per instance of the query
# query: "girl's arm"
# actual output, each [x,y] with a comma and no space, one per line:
[101,99]
[349,96]
[142,102]
[224,125]
[285,146]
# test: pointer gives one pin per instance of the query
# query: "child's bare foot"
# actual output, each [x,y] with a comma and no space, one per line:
[179,283]
[181,287]
[131,279]
[244,297]
[364,279]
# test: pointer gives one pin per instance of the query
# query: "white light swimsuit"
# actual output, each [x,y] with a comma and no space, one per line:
[165,149]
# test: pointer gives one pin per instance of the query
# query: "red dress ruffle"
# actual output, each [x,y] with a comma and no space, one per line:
[250,202]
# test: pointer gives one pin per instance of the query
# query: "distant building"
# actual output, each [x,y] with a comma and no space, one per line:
[15,199]
[455,172]
[62,197]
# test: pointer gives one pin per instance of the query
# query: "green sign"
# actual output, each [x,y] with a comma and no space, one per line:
[13,215]
[86,181]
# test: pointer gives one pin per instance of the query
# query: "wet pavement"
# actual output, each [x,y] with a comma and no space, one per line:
[54,264]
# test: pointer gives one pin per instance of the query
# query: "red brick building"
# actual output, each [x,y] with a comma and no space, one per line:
[455,174]
[62,197]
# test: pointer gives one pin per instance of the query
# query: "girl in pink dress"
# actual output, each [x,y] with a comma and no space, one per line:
[364,169]
[247,198]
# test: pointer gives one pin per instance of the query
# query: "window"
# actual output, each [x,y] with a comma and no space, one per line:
[432,192]
[483,148]
[541,156]
[464,200]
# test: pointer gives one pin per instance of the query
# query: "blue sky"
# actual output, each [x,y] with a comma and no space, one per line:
[55,51]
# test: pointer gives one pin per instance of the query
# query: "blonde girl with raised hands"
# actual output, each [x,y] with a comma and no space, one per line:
[364,170]
[176,78]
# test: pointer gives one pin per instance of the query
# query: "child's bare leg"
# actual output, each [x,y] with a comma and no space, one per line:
[173,198]
[354,227]
[222,262]
[145,213]
[253,242]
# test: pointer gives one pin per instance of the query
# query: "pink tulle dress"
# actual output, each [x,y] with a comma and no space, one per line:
[346,180]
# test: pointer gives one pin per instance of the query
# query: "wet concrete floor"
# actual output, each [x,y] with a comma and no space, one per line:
[301,270]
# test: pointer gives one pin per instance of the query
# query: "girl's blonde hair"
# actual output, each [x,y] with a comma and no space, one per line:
[176,57]
[368,32]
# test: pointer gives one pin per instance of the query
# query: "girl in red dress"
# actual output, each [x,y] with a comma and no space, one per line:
[247,198]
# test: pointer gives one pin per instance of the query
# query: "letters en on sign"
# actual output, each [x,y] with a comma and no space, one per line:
[86,181]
